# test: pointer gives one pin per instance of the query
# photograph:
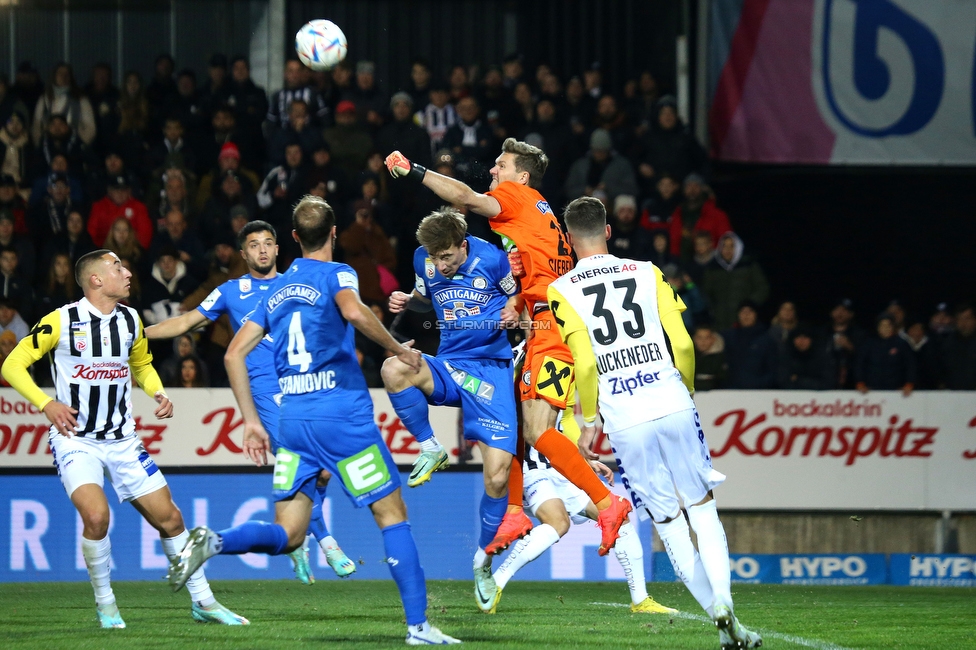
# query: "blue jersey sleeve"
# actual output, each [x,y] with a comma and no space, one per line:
[215,304]
[420,265]
[342,277]
[260,315]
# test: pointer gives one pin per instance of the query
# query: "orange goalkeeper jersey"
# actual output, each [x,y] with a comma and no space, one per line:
[526,223]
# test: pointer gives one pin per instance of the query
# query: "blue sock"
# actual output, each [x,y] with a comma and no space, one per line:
[410,405]
[254,537]
[316,525]
[492,511]
[404,563]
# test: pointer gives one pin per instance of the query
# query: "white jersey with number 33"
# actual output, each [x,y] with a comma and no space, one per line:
[619,303]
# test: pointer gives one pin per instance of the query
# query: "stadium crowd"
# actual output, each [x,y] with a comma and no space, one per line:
[166,172]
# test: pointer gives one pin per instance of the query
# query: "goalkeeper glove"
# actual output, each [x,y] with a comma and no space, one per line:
[399,165]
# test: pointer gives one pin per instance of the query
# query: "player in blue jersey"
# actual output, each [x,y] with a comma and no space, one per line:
[326,417]
[469,284]
[238,298]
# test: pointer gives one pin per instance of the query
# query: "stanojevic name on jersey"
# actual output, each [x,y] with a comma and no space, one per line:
[293,292]
[308,382]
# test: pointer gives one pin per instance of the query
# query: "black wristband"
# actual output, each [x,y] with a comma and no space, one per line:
[417,172]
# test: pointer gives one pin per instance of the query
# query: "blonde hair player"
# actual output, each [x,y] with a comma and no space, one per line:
[620,318]
[98,345]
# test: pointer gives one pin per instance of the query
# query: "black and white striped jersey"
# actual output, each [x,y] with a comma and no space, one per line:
[94,356]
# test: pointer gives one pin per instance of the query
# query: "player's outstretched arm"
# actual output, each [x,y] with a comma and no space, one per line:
[449,189]
[175,326]
[364,320]
[41,340]
[256,442]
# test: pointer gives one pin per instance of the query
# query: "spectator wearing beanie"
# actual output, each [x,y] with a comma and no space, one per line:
[119,202]
[627,238]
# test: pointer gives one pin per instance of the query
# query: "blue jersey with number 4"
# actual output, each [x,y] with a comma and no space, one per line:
[314,346]
[469,304]
[238,299]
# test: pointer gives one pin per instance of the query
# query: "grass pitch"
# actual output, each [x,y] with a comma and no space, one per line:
[367,614]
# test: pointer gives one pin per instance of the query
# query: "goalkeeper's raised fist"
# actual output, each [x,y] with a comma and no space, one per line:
[399,165]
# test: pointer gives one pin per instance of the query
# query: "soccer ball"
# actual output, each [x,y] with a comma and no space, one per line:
[320,44]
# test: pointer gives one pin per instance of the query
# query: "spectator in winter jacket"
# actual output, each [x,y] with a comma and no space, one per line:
[926,354]
[886,362]
[601,169]
[74,241]
[846,337]
[349,143]
[50,215]
[669,147]
[697,309]
[21,244]
[119,203]
[731,278]
[697,212]
[249,101]
[283,187]
[472,143]
[63,96]
[661,249]
[959,351]
[750,351]
[175,234]
[229,159]
[365,247]
[781,328]
[299,130]
[805,363]
[704,251]
[659,205]
[14,285]
[16,151]
[169,285]
[403,134]
[627,238]
[711,367]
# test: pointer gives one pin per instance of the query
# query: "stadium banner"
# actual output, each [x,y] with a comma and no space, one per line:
[862,569]
[783,450]
[796,450]
[40,533]
[206,430]
[933,570]
[843,81]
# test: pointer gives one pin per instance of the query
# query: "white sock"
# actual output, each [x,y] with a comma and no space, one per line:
[481,559]
[686,561]
[630,554]
[713,549]
[430,444]
[98,555]
[528,548]
[420,628]
[327,543]
[197,585]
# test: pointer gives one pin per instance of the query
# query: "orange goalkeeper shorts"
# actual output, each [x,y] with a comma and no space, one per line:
[548,370]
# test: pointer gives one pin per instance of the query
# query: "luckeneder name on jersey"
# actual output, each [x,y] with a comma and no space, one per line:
[314,347]
[238,299]
[469,304]
[617,302]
